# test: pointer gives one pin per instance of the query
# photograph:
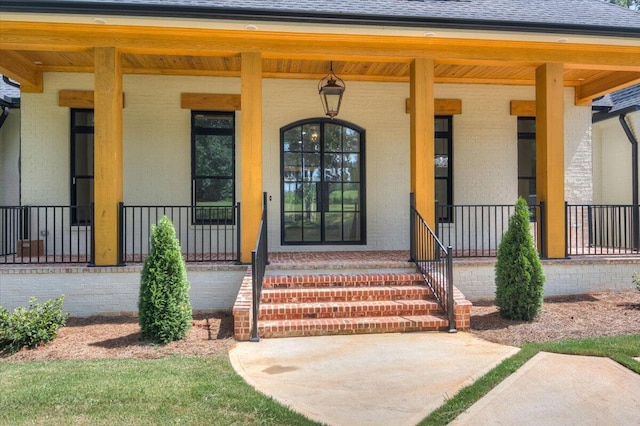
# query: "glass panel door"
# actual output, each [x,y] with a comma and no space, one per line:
[322,185]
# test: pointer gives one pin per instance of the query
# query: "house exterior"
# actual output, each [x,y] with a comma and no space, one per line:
[207,104]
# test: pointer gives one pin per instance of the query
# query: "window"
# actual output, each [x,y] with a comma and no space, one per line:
[213,166]
[322,182]
[444,166]
[527,159]
[81,165]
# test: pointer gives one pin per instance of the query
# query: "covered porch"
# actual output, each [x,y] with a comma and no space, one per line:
[256,67]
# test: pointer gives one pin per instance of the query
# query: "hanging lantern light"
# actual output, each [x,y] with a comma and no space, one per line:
[331,88]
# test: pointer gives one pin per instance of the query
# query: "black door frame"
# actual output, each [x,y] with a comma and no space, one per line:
[322,121]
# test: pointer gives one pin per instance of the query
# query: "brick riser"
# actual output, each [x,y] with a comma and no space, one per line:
[313,305]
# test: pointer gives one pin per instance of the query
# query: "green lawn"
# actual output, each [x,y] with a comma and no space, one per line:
[619,348]
[178,390]
[194,390]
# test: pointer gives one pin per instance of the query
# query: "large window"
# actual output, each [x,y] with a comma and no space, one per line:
[213,166]
[527,159]
[323,194]
[444,166]
[81,164]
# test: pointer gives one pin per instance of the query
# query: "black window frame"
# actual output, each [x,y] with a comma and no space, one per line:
[76,130]
[445,215]
[228,217]
[532,137]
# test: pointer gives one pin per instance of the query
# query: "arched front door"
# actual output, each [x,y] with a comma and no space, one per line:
[322,182]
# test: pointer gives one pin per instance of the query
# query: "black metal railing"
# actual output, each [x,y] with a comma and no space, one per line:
[434,262]
[476,230]
[206,234]
[259,262]
[45,234]
[602,229]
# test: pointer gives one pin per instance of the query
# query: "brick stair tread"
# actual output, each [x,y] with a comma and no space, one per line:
[348,308]
[341,280]
[356,325]
[327,294]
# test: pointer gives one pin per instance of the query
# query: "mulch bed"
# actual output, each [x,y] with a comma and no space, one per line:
[591,315]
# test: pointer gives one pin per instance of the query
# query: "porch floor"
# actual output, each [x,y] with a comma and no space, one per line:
[380,259]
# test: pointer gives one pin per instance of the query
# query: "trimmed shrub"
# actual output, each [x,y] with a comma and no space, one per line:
[519,275]
[164,308]
[29,327]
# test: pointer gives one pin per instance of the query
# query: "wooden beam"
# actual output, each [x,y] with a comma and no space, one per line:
[20,69]
[586,92]
[108,168]
[78,99]
[189,41]
[422,137]
[210,102]
[550,156]
[250,151]
[523,108]
[441,106]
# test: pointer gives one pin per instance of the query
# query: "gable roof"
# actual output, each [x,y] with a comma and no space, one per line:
[567,16]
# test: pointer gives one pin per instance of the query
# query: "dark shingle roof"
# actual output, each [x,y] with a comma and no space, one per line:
[625,98]
[574,16]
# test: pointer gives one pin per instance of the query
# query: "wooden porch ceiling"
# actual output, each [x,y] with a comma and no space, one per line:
[27,50]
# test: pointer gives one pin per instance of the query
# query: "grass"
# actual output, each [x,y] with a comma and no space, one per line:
[177,390]
[199,391]
[621,349]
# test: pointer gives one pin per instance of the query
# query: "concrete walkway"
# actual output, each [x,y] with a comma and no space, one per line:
[398,379]
[376,379]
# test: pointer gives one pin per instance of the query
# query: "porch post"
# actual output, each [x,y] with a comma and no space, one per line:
[108,180]
[250,151]
[422,137]
[550,155]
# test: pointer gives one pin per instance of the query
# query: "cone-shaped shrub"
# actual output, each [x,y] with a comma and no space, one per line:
[519,275]
[164,308]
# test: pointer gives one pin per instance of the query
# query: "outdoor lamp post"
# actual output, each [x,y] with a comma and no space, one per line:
[331,88]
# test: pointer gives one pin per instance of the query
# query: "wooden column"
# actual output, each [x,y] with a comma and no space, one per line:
[250,151]
[107,154]
[422,137]
[550,155]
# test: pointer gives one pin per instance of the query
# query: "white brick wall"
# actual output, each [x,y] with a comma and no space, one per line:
[476,279]
[10,160]
[612,160]
[157,144]
[113,290]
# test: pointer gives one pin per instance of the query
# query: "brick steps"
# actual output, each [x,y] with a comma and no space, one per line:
[363,325]
[344,294]
[277,311]
[309,304]
[341,280]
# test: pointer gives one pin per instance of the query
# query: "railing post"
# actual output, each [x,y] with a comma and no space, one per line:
[92,212]
[264,219]
[412,227]
[255,307]
[450,300]
[238,236]
[121,234]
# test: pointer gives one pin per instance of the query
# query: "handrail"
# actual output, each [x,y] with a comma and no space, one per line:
[259,262]
[475,230]
[206,233]
[45,234]
[595,229]
[434,262]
